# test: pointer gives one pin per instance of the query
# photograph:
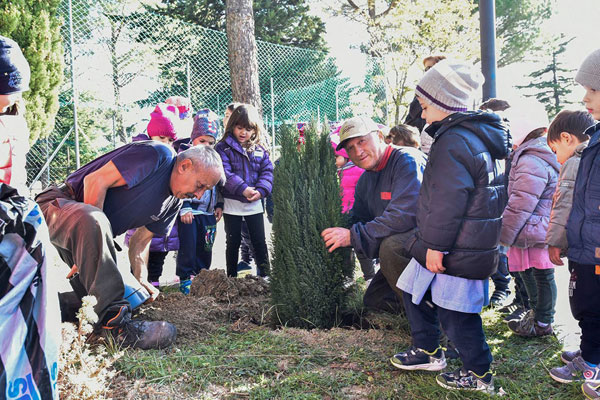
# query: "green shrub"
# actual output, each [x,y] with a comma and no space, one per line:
[307,282]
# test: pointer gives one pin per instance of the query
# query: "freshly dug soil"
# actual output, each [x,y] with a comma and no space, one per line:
[214,301]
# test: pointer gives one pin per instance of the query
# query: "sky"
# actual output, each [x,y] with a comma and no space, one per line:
[575,18]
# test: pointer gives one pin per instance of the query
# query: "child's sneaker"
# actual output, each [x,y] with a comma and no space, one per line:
[498,298]
[185,286]
[515,315]
[569,356]
[529,327]
[576,370]
[243,269]
[591,390]
[156,284]
[510,308]
[419,359]
[466,380]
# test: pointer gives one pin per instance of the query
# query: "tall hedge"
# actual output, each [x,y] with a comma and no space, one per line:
[34,24]
[307,282]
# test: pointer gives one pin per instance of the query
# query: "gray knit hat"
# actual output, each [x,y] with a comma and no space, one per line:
[450,86]
[589,72]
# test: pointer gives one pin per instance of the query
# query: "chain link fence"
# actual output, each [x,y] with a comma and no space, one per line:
[121,61]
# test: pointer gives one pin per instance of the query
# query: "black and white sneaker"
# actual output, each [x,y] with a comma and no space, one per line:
[419,359]
[466,380]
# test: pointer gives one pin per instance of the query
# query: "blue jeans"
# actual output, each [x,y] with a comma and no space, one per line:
[541,289]
[465,330]
[195,245]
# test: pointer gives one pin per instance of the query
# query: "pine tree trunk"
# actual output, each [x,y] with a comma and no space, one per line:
[243,54]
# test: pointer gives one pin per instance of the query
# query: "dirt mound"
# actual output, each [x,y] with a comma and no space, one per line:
[214,301]
[216,284]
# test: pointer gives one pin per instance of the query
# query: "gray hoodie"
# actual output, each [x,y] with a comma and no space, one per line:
[532,182]
[563,200]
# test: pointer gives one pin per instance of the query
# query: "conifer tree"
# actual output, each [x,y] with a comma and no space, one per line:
[35,26]
[306,281]
[552,84]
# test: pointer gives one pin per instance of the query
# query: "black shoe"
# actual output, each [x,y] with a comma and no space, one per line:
[419,359]
[510,308]
[139,334]
[516,315]
[498,298]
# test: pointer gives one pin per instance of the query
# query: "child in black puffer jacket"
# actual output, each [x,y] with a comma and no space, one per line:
[459,214]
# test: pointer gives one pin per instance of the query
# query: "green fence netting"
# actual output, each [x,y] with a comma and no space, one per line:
[124,60]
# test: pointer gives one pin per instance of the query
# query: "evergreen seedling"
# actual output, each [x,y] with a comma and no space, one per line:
[307,282]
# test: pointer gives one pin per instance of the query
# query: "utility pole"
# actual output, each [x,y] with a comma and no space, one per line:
[487,25]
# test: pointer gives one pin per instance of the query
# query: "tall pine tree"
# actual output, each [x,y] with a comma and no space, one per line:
[306,280]
[34,24]
[282,22]
[551,84]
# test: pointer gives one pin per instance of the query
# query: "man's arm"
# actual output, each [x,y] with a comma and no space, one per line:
[98,182]
[139,247]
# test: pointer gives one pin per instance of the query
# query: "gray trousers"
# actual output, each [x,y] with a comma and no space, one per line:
[82,234]
[393,258]
[382,293]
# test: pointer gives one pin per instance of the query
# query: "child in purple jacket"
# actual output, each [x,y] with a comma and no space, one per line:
[532,181]
[249,174]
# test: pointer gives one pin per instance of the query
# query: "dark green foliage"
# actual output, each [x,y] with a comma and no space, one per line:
[302,79]
[281,22]
[34,24]
[552,84]
[306,281]
[518,24]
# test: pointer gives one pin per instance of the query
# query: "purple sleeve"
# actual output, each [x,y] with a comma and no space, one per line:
[264,185]
[137,163]
[234,183]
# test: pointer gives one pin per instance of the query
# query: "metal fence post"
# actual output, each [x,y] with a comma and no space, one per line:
[73,89]
[318,115]
[272,118]
[114,127]
[48,168]
[337,104]
[188,74]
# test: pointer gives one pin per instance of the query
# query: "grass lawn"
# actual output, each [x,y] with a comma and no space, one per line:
[261,363]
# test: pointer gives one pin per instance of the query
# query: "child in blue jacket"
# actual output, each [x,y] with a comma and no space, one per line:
[583,237]
[197,223]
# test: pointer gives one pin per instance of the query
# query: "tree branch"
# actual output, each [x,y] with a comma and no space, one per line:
[393,4]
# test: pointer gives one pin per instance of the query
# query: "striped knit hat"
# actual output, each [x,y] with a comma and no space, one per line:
[450,86]
[589,73]
[206,123]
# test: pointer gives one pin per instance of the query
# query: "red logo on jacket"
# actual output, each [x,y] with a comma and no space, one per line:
[386,195]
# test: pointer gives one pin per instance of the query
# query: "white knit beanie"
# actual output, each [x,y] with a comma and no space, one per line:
[589,73]
[450,86]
